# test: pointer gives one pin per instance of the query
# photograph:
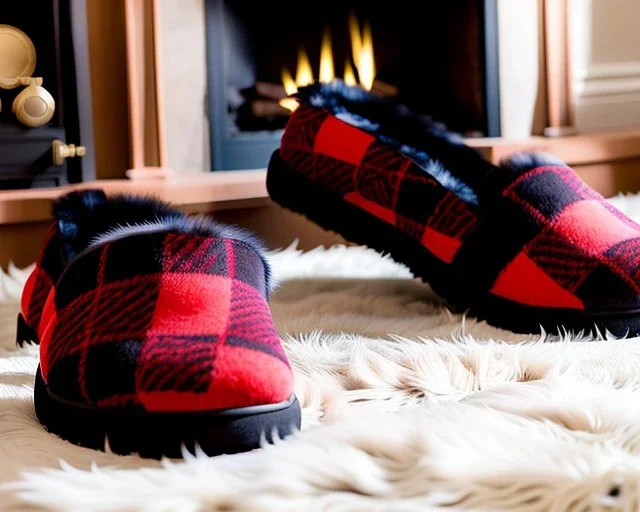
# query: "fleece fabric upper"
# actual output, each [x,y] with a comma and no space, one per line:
[529,231]
[173,318]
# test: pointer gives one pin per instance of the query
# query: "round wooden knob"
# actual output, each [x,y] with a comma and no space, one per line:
[34,106]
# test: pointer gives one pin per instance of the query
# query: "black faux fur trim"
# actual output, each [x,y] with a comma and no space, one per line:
[442,154]
[198,225]
[461,168]
[88,217]
[83,215]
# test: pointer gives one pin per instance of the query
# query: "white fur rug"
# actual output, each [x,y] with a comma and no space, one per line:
[405,407]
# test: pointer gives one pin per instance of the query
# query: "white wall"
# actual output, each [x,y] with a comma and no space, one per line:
[518,44]
[605,47]
[185,85]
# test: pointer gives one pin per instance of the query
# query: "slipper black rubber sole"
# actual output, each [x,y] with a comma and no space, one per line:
[134,430]
[293,191]
[156,435]
[25,333]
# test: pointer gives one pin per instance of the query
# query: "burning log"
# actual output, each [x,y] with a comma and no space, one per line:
[384,89]
[264,90]
[260,109]
[261,115]
[267,108]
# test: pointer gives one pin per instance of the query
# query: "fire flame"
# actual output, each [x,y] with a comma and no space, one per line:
[349,77]
[326,58]
[290,88]
[356,39]
[289,85]
[366,64]
[362,54]
[304,74]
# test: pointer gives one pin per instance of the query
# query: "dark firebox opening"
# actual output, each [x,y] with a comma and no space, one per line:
[431,52]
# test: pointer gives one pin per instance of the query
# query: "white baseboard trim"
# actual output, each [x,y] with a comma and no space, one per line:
[607,96]
[608,70]
[607,112]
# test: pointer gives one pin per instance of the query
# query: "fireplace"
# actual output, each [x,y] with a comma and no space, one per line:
[440,58]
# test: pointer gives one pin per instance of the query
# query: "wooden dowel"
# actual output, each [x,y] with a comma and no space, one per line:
[145,91]
[159,90]
[557,64]
[135,45]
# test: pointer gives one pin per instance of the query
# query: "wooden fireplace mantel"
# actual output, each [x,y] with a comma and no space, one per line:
[212,191]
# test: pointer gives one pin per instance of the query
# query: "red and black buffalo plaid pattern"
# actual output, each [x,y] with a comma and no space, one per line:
[546,239]
[165,321]
[40,283]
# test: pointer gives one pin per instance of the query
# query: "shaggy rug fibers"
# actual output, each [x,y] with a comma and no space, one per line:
[405,407]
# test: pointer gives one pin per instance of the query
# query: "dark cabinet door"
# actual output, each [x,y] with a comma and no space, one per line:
[57,30]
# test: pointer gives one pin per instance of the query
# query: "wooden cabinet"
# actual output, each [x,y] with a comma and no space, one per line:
[43,44]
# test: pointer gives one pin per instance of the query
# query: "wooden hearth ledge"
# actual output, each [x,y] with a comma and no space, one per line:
[576,150]
[203,192]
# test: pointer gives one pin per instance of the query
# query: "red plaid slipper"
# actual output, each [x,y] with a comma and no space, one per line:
[155,333]
[521,245]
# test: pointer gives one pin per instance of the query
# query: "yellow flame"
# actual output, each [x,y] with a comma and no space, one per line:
[362,52]
[289,103]
[356,39]
[290,88]
[349,77]
[326,58]
[287,80]
[304,75]
[367,67]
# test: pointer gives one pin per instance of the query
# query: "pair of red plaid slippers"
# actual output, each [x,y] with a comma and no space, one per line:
[154,328]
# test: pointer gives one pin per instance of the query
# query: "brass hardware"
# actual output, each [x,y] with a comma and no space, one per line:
[34,106]
[17,56]
[62,151]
